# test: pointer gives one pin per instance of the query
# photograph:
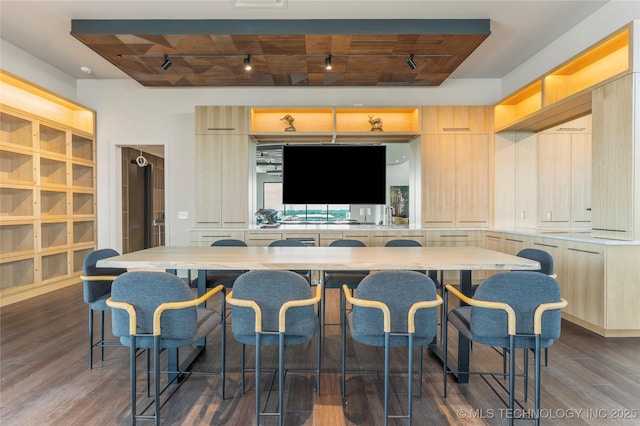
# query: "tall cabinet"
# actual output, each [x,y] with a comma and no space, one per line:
[456,159]
[47,189]
[616,159]
[222,166]
[564,174]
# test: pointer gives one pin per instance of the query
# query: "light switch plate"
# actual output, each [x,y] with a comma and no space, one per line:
[183,215]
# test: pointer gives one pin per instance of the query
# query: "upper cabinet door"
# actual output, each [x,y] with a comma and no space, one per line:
[456,119]
[438,181]
[473,165]
[222,120]
[235,181]
[208,191]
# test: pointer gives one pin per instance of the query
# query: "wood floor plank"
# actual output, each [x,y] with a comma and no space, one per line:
[45,379]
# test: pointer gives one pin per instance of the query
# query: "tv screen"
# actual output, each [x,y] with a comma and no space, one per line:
[334,174]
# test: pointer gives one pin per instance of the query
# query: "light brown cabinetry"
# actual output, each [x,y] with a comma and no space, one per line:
[616,159]
[363,236]
[456,159]
[380,238]
[554,179]
[526,180]
[454,238]
[261,238]
[456,119]
[455,180]
[586,289]
[564,174]
[598,280]
[222,166]
[558,250]
[215,120]
[47,190]
[207,237]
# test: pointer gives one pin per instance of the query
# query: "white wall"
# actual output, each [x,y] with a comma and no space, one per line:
[22,64]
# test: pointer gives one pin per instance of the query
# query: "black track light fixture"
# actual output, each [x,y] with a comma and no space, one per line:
[247,63]
[410,62]
[327,63]
[167,63]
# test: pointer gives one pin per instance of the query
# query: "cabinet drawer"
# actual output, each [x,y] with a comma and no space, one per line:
[326,238]
[205,238]
[453,237]
[363,236]
[261,239]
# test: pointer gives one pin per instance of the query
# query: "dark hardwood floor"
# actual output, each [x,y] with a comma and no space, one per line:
[45,379]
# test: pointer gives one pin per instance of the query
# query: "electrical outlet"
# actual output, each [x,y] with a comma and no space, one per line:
[183,215]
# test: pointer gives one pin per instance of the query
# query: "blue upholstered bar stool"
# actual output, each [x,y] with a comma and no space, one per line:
[156,311]
[392,309]
[274,308]
[96,289]
[509,310]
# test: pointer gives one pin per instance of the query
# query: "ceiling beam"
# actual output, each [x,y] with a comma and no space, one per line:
[280,26]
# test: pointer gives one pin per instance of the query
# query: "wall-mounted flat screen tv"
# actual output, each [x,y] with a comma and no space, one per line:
[334,174]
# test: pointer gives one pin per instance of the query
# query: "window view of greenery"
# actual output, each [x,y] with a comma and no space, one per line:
[272,196]
[315,212]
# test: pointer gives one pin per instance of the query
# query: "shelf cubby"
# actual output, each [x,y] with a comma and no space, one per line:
[16,238]
[54,265]
[16,202]
[564,93]
[78,259]
[606,60]
[47,189]
[15,130]
[83,203]
[394,120]
[82,176]
[16,273]
[53,172]
[83,232]
[53,203]
[53,140]
[81,147]
[314,120]
[53,234]
[25,96]
[522,104]
[16,167]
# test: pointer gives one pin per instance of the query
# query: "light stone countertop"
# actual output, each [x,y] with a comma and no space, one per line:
[577,235]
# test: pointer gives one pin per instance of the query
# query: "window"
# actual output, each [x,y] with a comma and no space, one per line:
[272,196]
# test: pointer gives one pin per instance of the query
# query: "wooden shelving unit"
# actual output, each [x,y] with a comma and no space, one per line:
[564,93]
[47,190]
[324,125]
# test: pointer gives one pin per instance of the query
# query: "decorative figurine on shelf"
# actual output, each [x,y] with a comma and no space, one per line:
[376,124]
[289,119]
[267,218]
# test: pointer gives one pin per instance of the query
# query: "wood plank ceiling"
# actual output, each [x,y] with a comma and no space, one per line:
[284,52]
